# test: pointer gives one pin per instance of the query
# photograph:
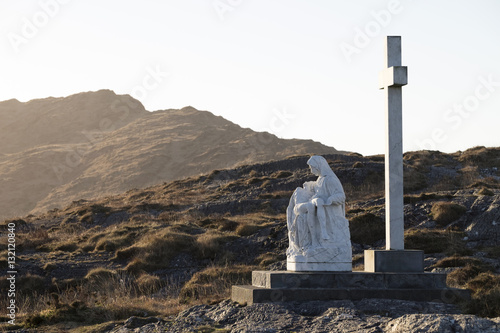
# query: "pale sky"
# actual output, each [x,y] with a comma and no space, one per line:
[298,69]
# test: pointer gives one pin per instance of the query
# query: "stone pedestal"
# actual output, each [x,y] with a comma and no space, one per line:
[394,261]
[282,286]
[306,265]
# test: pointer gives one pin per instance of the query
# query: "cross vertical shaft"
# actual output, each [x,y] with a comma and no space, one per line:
[393,77]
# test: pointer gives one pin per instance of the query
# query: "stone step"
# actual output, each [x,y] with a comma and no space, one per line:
[359,280]
[252,294]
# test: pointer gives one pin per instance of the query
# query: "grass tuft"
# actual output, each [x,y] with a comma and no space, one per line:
[436,241]
[485,191]
[214,283]
[247,229]
[367,228]
[446,212]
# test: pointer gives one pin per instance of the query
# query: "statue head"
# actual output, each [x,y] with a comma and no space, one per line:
[319,166]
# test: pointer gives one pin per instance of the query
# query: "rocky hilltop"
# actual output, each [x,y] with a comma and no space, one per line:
[165,257]
[57,150]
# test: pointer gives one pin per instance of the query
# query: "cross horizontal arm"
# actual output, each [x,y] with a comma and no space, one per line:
[396,76]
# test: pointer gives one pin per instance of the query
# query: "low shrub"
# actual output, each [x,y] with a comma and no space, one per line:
[446,212]
[367,228]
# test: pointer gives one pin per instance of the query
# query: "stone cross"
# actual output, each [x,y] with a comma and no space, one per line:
[392,79]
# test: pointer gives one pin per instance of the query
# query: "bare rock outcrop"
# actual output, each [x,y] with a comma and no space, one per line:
[369,316]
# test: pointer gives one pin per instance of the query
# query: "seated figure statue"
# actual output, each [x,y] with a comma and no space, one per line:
[318,232]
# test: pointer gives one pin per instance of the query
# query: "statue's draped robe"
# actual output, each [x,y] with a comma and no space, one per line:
[307,241]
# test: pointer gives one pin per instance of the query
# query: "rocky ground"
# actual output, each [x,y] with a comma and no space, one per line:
[369,316]
[208,232]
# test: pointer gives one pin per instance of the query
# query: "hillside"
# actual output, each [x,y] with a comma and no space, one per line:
[57,150]
[142,257]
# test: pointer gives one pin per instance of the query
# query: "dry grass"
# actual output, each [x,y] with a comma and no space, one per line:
[372,187]
[485,295]
[358,262]
[481,156]
[457,261]
[209,244]
[34,239]
[282,174]
[414,180]
[214,283]
[446,212]
[148,284]
[276,195]
[436,241]
[412,199]
[157,249]
[115,240]
[484,285]
[366,228]
[492,252]
[103,296]
[267,259]
[485,191]
[247,229]
[218,222]
[96,275]
[422,159]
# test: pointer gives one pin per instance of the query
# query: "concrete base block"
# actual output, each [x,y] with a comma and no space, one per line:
[251,294]
[361,280]
[319,266]
[280,286]
[394,261]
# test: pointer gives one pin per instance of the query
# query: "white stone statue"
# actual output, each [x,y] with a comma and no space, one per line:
[318,232]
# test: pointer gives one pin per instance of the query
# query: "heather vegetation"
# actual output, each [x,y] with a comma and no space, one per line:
[162,249]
